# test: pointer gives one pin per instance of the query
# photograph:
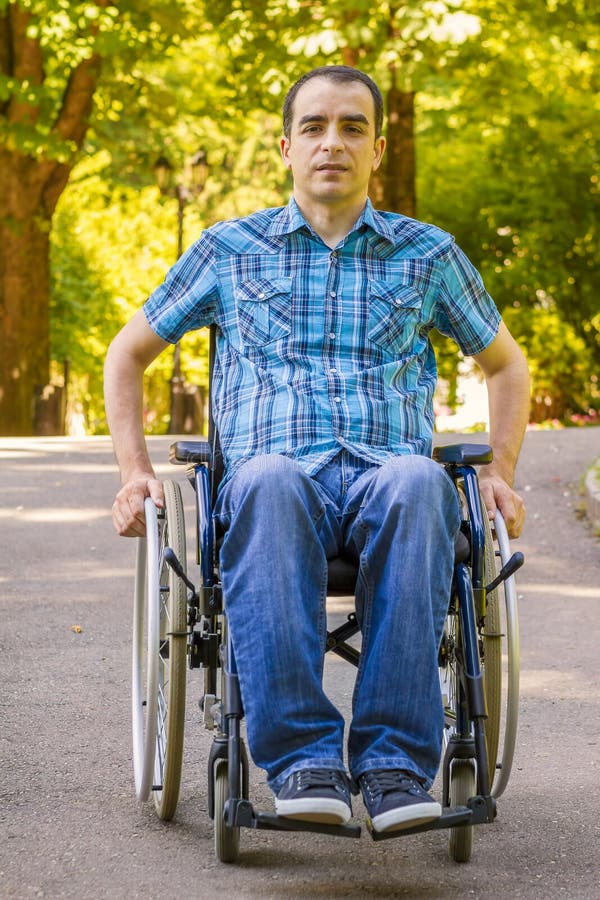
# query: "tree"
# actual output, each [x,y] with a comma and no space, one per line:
[517,183]
[62,64]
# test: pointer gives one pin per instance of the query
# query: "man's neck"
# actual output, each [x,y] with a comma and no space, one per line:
[330,221]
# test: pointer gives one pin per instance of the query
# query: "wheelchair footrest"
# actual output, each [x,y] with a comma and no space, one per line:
[479,811]
[246,817]
[273,822]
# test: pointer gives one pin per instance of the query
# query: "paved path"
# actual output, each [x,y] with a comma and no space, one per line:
[69,825]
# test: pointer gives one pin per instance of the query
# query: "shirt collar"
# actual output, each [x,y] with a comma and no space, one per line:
[290,219]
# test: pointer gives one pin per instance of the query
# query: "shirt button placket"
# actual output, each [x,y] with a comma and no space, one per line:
[333,320]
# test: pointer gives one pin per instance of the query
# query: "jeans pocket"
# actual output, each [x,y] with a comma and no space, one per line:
[264,310]
[394,316]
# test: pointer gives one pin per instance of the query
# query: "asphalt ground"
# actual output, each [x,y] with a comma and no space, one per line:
[69,822]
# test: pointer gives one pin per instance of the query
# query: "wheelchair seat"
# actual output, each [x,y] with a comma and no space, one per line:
[342,573]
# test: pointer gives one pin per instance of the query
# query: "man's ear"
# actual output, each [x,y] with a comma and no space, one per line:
[378,152]
[284,146]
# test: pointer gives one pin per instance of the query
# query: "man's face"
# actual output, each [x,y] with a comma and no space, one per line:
[332,148]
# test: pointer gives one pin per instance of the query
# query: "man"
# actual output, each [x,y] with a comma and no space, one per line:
[323,388]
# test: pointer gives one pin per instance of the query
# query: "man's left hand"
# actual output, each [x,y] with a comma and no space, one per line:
[497,494]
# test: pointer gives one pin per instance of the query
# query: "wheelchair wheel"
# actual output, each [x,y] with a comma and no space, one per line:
[227,840]
[159,656]
[172,659]
[509,629]
[463,785]
[490,659]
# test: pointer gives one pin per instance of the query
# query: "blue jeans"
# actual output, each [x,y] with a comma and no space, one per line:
[399,521]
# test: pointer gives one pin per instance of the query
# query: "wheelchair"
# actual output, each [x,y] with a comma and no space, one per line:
[180,623]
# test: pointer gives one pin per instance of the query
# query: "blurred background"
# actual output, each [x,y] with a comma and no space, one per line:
[126,129]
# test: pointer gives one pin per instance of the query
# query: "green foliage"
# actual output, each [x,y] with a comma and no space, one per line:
[112,244]
[509,164]
[507,124]
[59,36]
[565,381]
[108,252]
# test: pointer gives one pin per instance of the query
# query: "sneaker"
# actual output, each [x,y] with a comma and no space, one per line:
[315,795]
[395,800]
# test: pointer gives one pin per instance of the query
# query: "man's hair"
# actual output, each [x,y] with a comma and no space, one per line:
[339,74]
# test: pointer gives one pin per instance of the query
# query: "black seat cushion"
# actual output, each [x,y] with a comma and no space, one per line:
[341,577]
[342,573]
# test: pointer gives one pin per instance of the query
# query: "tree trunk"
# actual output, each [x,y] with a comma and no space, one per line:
[24,321]
[29,190]
[393,185]
[31,182]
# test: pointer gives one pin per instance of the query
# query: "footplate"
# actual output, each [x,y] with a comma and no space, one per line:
[479,810]
[244,816]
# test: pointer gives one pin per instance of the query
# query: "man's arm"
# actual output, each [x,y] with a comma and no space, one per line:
[130,353]
[507,379]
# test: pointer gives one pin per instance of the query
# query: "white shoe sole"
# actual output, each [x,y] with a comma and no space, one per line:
[325,810]
[407,816]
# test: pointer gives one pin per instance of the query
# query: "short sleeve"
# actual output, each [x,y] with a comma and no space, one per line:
[186,300]
[465,311]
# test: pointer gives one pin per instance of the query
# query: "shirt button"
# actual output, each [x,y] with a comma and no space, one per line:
[332,335]
[333,371]
[332,294]
[261,296]
[337,399]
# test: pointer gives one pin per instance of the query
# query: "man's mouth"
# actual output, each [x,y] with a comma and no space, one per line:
[331,167]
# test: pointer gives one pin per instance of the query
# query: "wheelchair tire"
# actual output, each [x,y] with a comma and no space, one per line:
[463,785]
[159,656]
[508,608]
[144,671]
[172,659]
[227,840]
[492,655]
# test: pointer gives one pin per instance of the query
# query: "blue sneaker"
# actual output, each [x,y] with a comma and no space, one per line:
[315,795]
[394,800]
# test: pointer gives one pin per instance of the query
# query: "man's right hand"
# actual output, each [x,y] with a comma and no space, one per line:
[128,509]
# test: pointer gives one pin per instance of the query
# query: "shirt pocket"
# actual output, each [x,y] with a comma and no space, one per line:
[394,315]
[264,309]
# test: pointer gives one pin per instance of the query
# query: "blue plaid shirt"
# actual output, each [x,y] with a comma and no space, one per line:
[321,349]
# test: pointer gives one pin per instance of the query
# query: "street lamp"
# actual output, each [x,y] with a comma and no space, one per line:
[185,191]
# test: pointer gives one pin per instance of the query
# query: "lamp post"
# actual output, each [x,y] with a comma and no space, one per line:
[185,191]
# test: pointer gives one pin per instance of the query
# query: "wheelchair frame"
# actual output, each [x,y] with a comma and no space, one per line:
[468,794]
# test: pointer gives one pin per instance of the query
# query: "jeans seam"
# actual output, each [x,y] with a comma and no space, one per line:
[322,624]
[367,609]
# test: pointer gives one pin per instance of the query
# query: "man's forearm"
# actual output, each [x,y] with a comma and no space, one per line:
[509,403]
[123,397]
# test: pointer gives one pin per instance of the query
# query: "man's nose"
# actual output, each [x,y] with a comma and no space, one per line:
[332,140]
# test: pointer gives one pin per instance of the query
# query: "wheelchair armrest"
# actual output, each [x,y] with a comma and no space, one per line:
[464,454]
[190,452]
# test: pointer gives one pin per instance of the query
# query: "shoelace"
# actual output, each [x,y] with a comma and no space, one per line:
[318,778]
[380,783]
